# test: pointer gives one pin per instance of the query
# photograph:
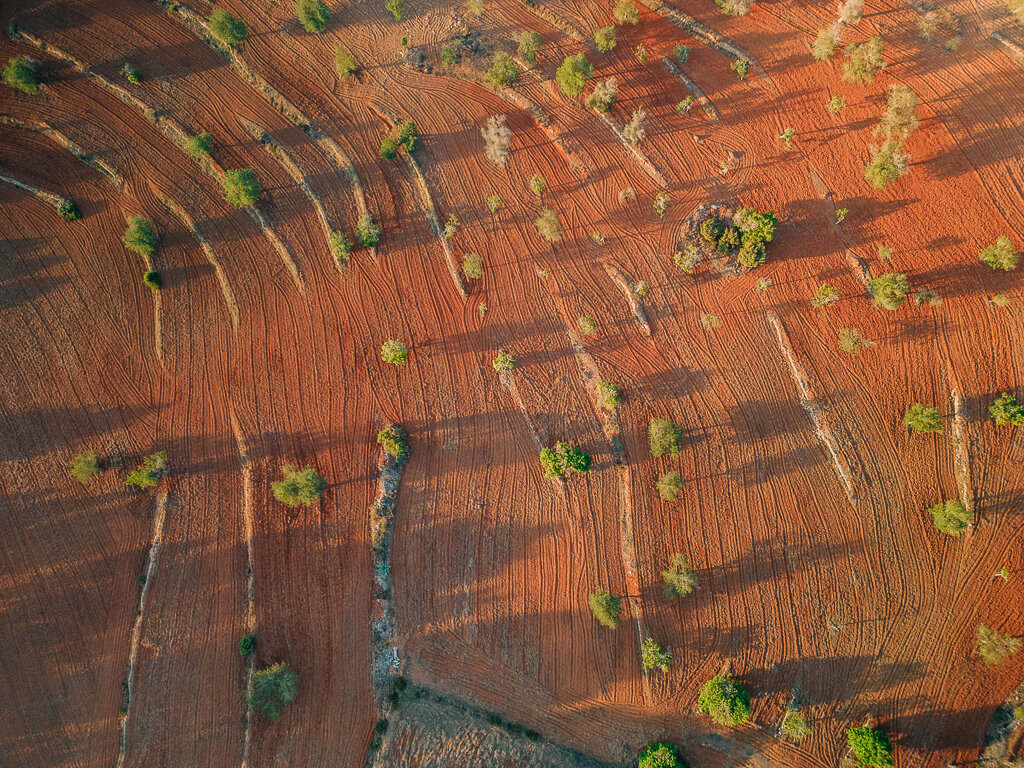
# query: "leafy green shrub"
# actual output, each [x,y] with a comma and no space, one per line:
[20,74]
[394,352]
[503,71]
[367,231]
[741,67]
[604,39]
[247,645]
[653,657]
[314,15]
[273,689]
[836,104]
[1005,411]
[1000,255]
[660,756]
[625,12]
[951,517]
[669,485]
[609,396]
[131,72]
[397,8]
[451,52]
[341,246]
[679,580]
[684,106]
[725,700]
[995,648]
[606,607]
[871,748]
[665,437]
[586,325]
[661,201]
[528,45]
[825,43]
[199,146]
[824,295]
[84,467]
[140,236]
[924,419]
[572,75]
[682,53]
[888,163]
[152,280]
[711,229]
[345,62]
[241,188]
[890,290]
[729,241]
[300,486]
[564,458]
[227,28]
[863,61]
[547,225]
[794,727]
[148,474]
[473,266]
[389,148]
[504,361]
[393,442]
[69,211]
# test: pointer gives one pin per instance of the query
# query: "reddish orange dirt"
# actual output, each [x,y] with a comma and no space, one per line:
[848,600]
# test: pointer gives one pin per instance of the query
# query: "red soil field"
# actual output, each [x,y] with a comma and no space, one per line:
[836,591]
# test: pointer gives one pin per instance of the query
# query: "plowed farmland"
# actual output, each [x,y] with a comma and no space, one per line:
[435,606]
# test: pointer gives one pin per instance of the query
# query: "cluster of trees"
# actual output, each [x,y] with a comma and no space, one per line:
[404,137]
[747,235]
[889,159]
[564,458]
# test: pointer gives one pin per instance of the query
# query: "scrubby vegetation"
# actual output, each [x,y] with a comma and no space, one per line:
[725,700]
[924,419]
[635,130]
[871,748]
[396,8]
[538,184]
[394,352]
[273,689]
[527,45]
[1005,411]
[314,15]
[131,73]
[341,246]
[679,580]
[241,188]
[606,607]
[300,486]
[1000,255]
[547,225]
[345,62]
[890,290]
[140,236]
[824,295]
[227,28]
[604,39]
[794,727]
[665,437]
[889,161]
[653,657]
[572,75]
[669,485]
[69,211]
[564,458]
[661,756]
[603,96]
[587,325]
[741,67]
[951,517]
[393,442]
[995,648]
[20,74]
[200,145]
[84,467]
[863,61]
[503,71]
[609,396]
[473,266]
[367,231]
[148,474]
[497,137]
[504,361]
[825,43]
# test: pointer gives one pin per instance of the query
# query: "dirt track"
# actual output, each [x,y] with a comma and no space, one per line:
[853,604]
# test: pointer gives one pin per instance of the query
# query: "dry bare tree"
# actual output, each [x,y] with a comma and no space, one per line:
[496,140]
[635,131]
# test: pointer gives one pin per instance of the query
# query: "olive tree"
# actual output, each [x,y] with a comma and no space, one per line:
[890,290]
[725,700]
[148,474]
[653,657]
[564,458]
[1005,411]
[1000,255]
[951,517]
[314,15]
[665,437]
[84,467]
[300,486]
[661,755]
[871,747]
[273,689]
[924,419]
[241,188]
[393,442]
[626,12]
[20,74]
[226,28]
[572,75]
[679,580]
[606,607]
[140,236]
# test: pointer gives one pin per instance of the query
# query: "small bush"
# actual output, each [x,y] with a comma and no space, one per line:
[609,396]
[140,236]
[741,67]
[684,106]
[625,12]
[863,61]
[247,645]
[152,280]
[682,53]
[200,145]
[367,231]
[389,147]
[660,756]
[825,43]
[503,71]
[725,700]
[794,727]
[69,211]
[729,241]
[606,607]
[900,118]
[504,361]
[711,229]
[475,7]
[538,185]
[851,12]
[687,260]
[665,437]
[473,266]
[871,748]
[709,320]
[227,28]
[572,75]
[241,188]
[394,352]
[787,136]
[627,194]
[408,135]
[924,419]
[300,486]
[604,39]
[653,657]
[634,131]
[396,7]
[497,137]
[851,341]
[1000,255]
[669,485]
[888,162]
[824,295]
[890,290]
[836,104]
[528,45]
[679,580]
[84,467]
[951,517]
[451,53]
[345,62]
[940,23]
[734,7]
[273,689]
[1005,411]
[148,474]
[547,225]
[341,246]
[603,96]
[564,458]
[451,227]
[493,203]
[393,442]
[1000,300]
[314,15]
[995,648]
[20,74]
[586,325]
[131,73]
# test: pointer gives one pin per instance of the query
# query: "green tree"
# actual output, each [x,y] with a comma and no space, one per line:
[924,419]
[69,211]
[871,748]
[669,485]
[888,163]
[653,657]
[393,442]
[609,396]
[314,15]
[300,486]
[547,225]
[367,231]
[473,266]
[394,352]
[148,474]
[1005,411]
[199,146]
[131,73]
[408,135]
[389,148]
[665,437]
[528,45]
[995,648]
[247,645]
[711,229]
[503,71]
[586,325]
[152,280]
[84,467]
[564,458]
[660,756]
[725,700]
[273,689]
[951,517]
[397,8]
[345,62]
[625,12]
[140,236]
[794,727]
[824,295]
[890,290]
[604,38]
[863,61]
[572,75]
[679,580]
[20,73]
[227,28]
[1000,255]
[341,246]
[241,188]
[504,361]
[606,607]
